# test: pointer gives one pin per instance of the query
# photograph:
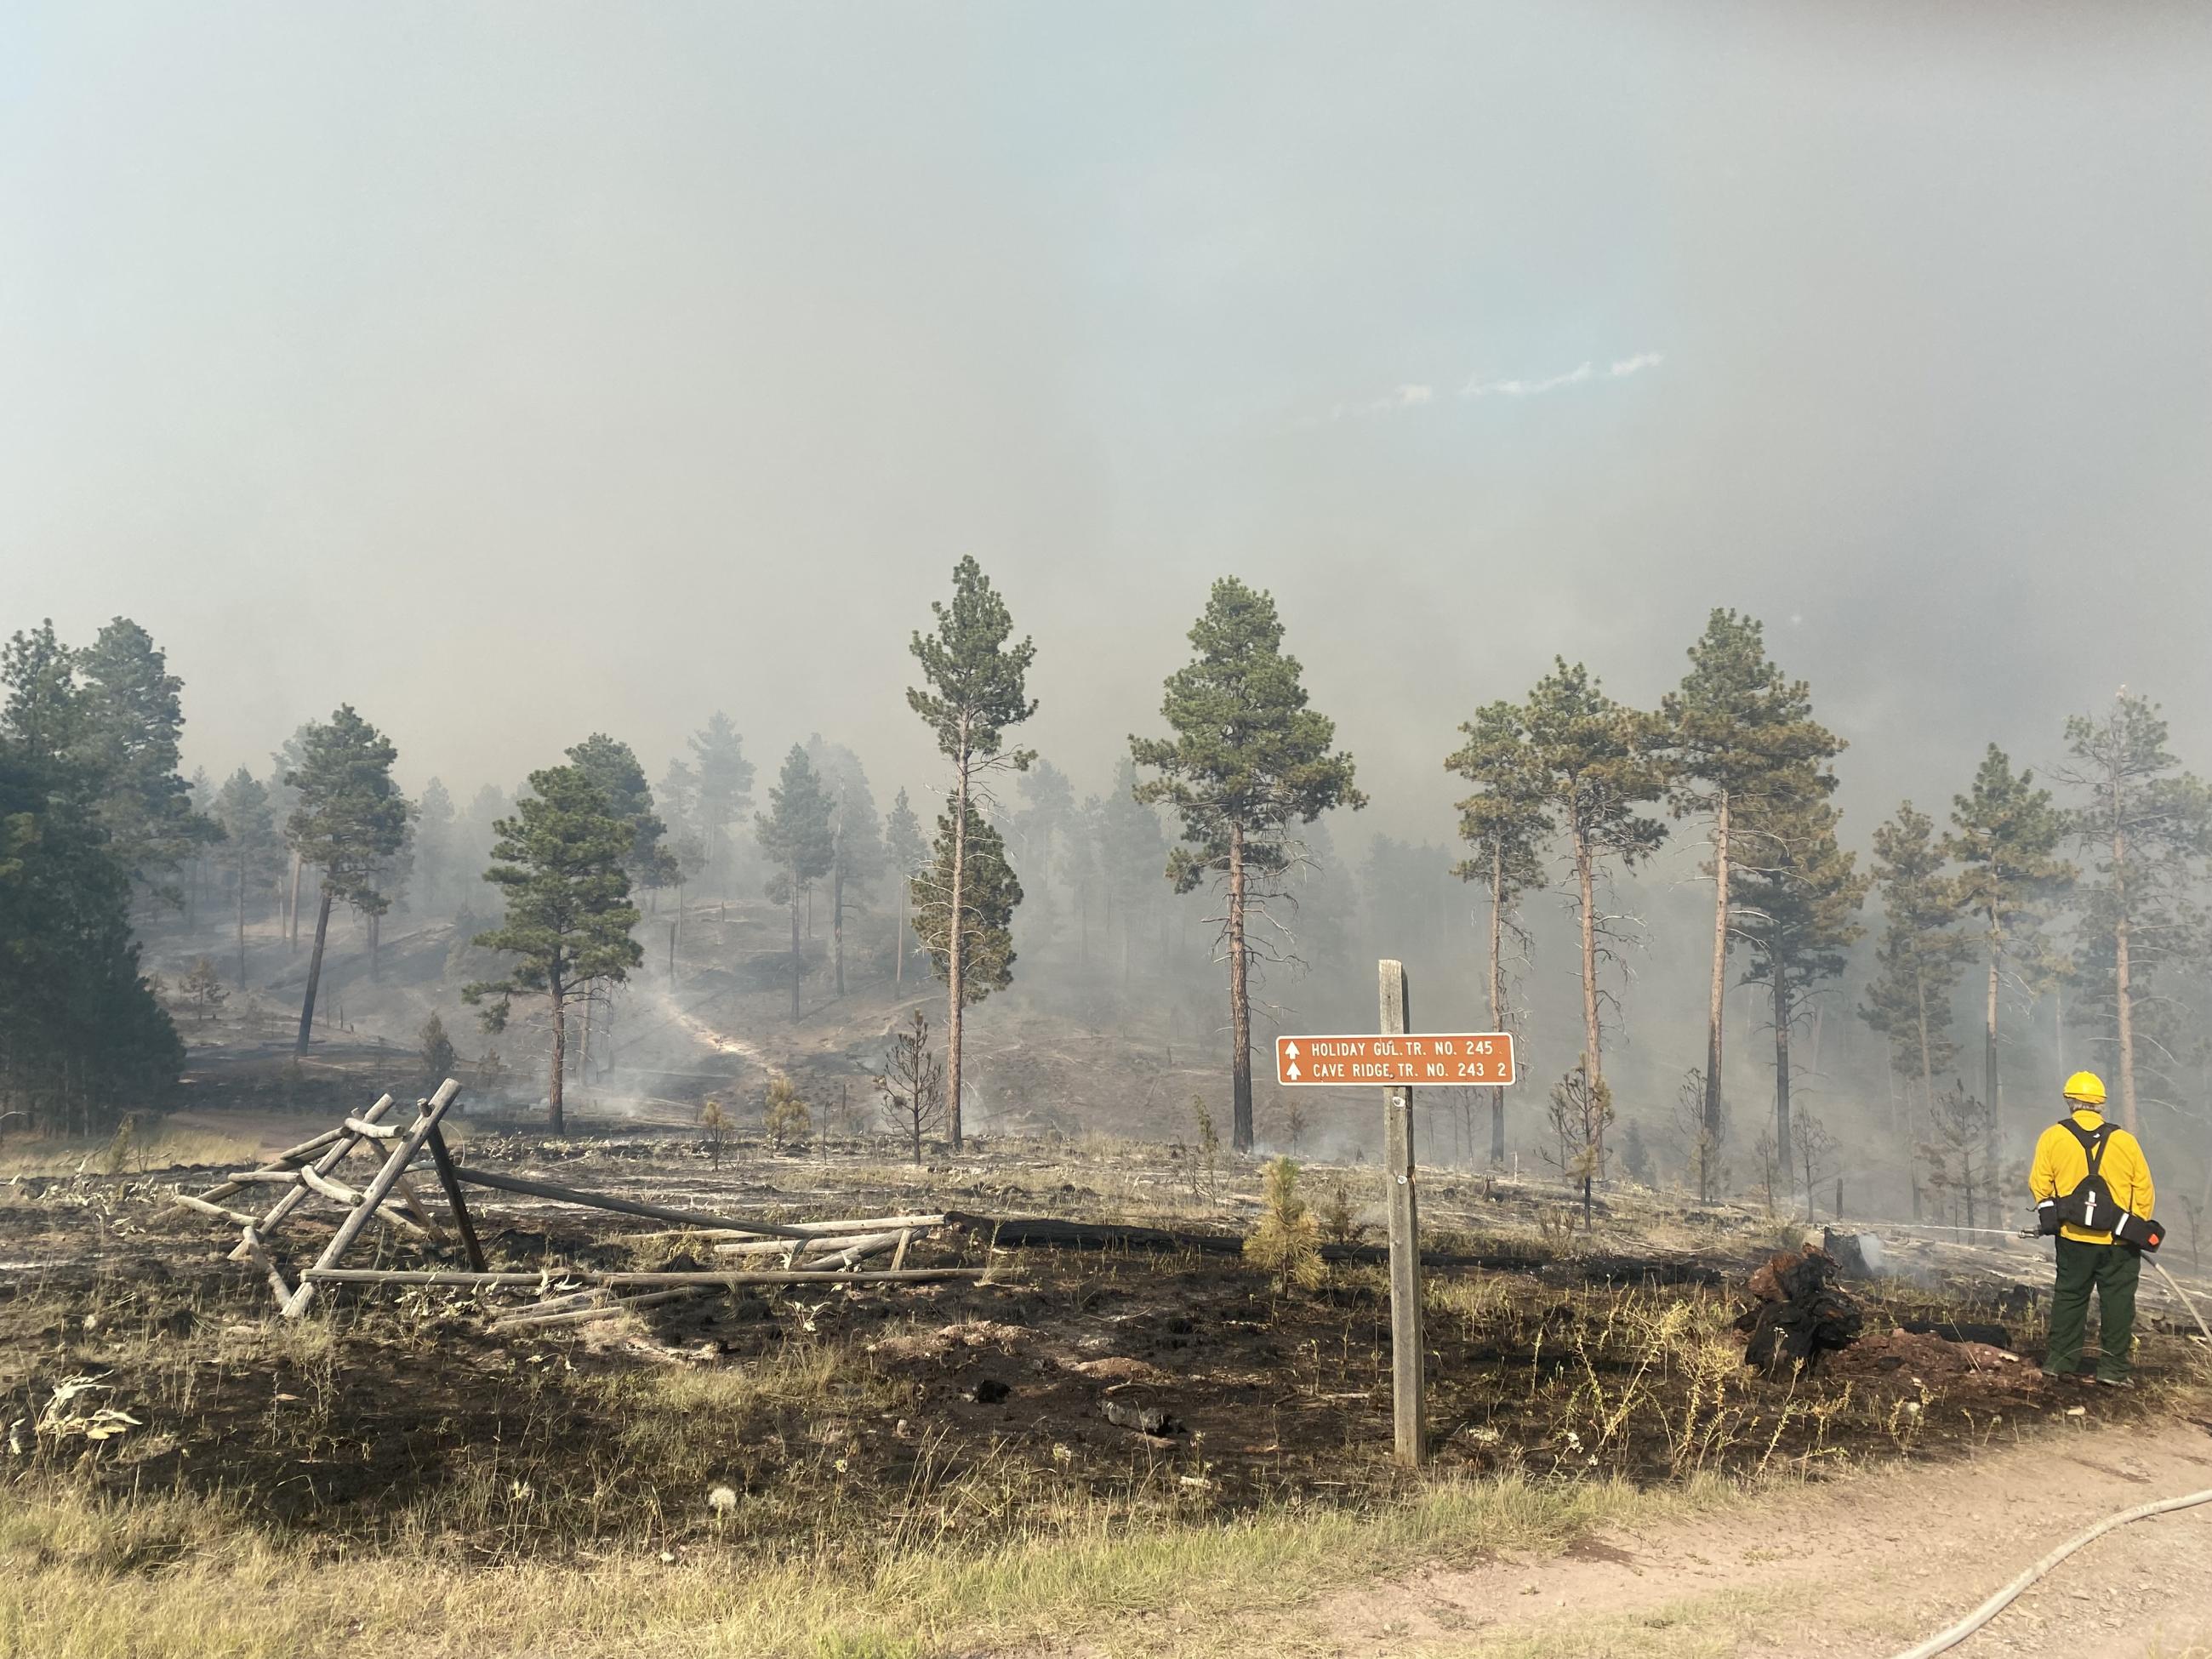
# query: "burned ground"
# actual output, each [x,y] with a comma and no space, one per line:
[774,1416]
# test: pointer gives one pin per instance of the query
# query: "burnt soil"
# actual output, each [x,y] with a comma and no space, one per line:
[956,1406]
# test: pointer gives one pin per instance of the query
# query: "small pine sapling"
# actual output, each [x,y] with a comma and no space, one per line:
[203,986]
[714,1119]
[439,1061]
[786,1117]
[1286,1242]
[1209,1149]
[1339,1225]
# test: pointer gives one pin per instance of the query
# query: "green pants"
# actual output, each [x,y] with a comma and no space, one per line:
[2113,1269]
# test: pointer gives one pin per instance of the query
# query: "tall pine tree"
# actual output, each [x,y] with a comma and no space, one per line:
[252,853]
[795,837]
[1593,757]
[1740,739]
[2146,828]
[1800,899]
[724,790]
[350,821]
[2005,836]
[559,862]
[1505,823]
[906,852]
[1248,762]
[1918,961]
[976,686]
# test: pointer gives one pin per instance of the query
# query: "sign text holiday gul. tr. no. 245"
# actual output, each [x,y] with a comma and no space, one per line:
[1459,1061]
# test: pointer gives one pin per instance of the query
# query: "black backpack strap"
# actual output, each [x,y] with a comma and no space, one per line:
[2094,1141]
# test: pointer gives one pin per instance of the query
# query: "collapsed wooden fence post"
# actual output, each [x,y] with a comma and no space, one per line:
[265,1228]
[462,1223]
[379,1189]
[620,1206]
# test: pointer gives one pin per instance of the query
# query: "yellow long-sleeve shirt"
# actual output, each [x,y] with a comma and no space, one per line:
[2061,1165]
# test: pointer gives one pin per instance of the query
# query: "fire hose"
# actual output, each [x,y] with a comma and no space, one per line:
[2005,1597]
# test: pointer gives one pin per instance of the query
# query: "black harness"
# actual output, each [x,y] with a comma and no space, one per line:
[2091,1205]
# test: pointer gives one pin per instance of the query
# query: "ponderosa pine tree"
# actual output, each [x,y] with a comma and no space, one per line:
[907,852]
[130,729]
[724,790]
[350,819]
[2147,828]
[1130,851]
[989,894]
[1738,735]
[1248,762]
[795,838]
[856,837]
[1909,1000]
[1505,824]
[612,764]
[1800,899]
[976,687]
[1593,758]
[559,863]
[433,847]
[2005,835]
[252,851]
[82,1034]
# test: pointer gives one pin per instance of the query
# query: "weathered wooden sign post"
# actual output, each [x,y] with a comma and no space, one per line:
[1409,1394]
[1397,1059]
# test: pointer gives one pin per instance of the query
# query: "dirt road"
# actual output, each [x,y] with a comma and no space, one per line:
[1861,1567]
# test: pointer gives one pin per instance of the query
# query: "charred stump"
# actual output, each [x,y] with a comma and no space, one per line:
[1798,1312]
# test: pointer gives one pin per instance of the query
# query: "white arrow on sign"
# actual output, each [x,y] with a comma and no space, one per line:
[1291,1049]
[1294,1071]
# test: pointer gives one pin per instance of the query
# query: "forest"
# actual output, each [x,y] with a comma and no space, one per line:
[1803,1005]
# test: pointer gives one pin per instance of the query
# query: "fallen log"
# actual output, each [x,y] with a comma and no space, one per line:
[1051,1233]
[531,1318]
[559,1193]
[456,1279]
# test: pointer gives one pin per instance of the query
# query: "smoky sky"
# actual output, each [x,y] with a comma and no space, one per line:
[517,370]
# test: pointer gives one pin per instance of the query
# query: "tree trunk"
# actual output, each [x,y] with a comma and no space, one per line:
[1593,1062]
[796,957]
[375,938]
[1990,1054]
[292,908]
[1927,1086]
[1496,991]
[2122,999]
[1713,1020]
[837,911]
[956,957]
[314,972]
[1782,1147]
[584,1050]
[898,954]
[1240,1006]
[556,1120]
[241,921]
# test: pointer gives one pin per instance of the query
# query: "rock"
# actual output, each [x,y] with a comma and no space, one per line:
[1146,1419]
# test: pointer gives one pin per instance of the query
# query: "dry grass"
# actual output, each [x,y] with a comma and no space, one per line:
[132,1151]
[155,1577]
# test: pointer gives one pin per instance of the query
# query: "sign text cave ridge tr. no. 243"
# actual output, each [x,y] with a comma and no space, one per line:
[1479,1059]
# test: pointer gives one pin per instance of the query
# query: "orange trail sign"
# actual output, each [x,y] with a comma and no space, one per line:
[1479,1059]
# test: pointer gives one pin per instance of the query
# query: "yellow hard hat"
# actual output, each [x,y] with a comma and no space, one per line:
[2085,1087]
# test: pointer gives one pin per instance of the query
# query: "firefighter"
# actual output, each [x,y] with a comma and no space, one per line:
[2088,1172]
